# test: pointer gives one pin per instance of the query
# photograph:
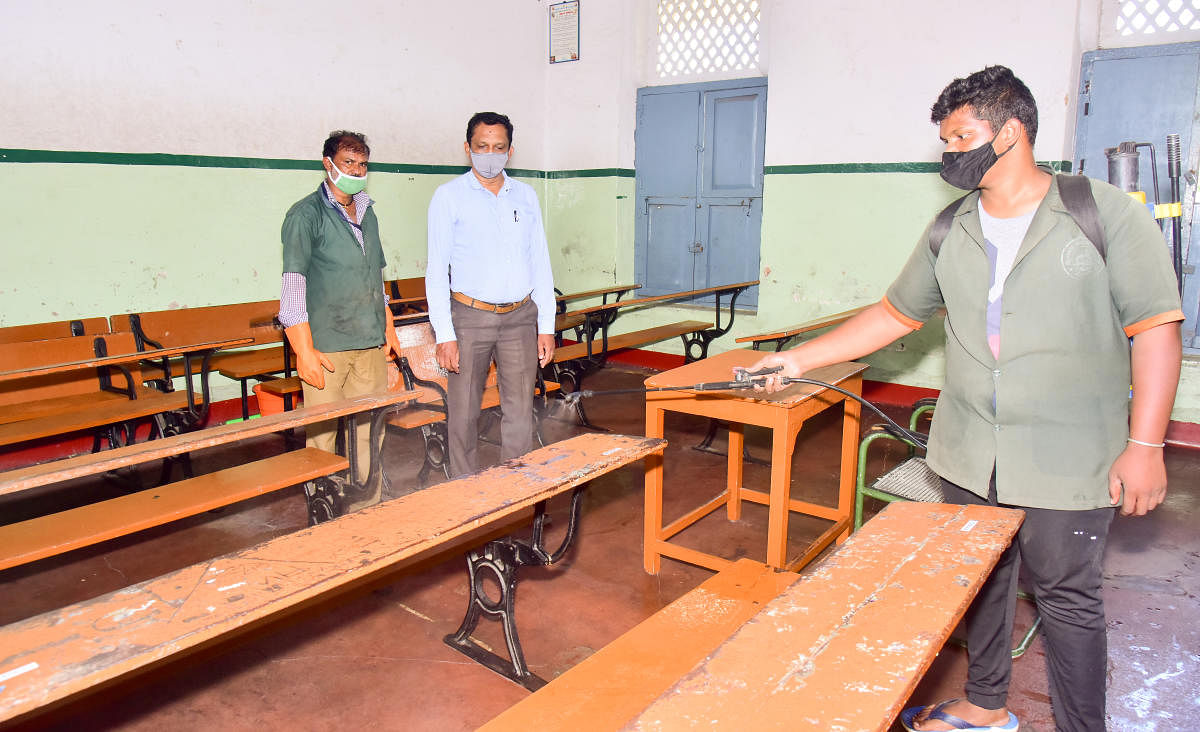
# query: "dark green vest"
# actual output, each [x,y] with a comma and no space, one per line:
[344,286]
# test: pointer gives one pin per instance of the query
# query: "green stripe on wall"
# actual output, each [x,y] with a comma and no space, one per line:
[215,161]
[1062,166]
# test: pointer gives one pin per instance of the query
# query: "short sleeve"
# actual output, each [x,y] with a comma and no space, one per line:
[1141,277]
[298,236]
[915,293]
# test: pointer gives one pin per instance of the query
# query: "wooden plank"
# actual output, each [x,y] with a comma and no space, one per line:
[185,326]
[90,417]
[245,364]
[606,690]
[631,339]
[845,646]
[64,653]
[17,411]
[118,359]
[58,533]
[598,292]
[14,481]
[280,387]
[55,329]
[809,325]
[662,298]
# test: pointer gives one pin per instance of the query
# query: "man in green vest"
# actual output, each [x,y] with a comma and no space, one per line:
[332,303]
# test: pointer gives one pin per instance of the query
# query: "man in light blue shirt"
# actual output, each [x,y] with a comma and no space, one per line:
[490,292]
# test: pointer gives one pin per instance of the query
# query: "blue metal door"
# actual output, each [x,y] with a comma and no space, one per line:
[699,159]
[1142,95]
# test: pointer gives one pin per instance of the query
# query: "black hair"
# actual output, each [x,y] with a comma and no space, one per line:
[994,94]
[488,118]
[345,140]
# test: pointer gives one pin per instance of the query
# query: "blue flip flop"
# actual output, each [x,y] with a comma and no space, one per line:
[935,712]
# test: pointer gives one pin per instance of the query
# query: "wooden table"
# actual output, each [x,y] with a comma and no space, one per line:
[784,413]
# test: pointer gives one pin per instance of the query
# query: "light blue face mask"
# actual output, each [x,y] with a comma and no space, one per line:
[489,165]
[346,183]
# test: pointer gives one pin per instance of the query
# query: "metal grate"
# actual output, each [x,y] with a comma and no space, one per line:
[1144,17]
[706,36]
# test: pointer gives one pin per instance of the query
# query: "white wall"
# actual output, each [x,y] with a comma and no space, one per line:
[857,86]
[270,79]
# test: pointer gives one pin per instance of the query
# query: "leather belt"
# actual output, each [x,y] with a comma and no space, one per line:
[501,308]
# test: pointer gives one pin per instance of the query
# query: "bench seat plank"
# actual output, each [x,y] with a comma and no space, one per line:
[57,533]
[63,653]
[57,405]
[625,304]
[248,364]
[604,690]
[89,417]
[634,338]
[14,481]
[845,646]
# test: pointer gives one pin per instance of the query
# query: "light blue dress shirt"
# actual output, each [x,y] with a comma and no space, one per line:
[489,247]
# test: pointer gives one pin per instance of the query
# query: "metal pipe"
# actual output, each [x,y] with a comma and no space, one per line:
[1173,174]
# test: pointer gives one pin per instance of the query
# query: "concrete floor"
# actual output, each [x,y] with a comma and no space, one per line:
[376,657]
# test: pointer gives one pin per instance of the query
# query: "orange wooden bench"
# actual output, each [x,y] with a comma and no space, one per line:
[66,654]
[840,646]
[52,534]
[263,357]
[64,385]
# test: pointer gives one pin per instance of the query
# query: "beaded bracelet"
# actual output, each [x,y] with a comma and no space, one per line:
[1146,444]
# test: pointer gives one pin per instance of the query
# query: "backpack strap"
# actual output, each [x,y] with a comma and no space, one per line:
[1076,194]
[941,225]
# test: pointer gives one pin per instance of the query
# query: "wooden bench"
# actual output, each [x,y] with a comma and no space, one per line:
[783,335]
[406,296]
[841,646]
[56,329]
[565,319]
[57,533]
[64,385]
[572,362]
[183,326]
[419,371]
[65,654]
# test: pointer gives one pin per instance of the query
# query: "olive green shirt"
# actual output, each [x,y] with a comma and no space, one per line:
[1052,413]
[344,283]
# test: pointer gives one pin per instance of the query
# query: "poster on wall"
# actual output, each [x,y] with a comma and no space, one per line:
[564,32]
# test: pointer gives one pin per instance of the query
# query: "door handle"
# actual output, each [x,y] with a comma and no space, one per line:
[696,248]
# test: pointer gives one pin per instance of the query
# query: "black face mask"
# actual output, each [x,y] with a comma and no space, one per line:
[966,169]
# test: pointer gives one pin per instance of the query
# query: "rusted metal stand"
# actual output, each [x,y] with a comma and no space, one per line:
[500,560]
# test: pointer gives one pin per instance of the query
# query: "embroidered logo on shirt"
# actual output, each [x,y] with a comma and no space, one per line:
[1080,259]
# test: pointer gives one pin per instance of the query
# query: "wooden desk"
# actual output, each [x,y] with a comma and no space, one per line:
[784,414]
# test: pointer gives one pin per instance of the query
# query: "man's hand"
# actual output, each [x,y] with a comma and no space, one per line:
[545,343]
[447,355]
[789,366]
[311,366]
[1139,474]
[391,345]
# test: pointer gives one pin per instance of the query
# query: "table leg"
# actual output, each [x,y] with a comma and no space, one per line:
[783,438]
[851,418]
[733,484]
[651,559]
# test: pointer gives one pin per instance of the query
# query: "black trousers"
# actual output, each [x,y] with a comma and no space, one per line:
[1062,553]
[509,339]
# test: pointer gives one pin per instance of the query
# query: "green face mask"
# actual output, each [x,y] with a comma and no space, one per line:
[346,183]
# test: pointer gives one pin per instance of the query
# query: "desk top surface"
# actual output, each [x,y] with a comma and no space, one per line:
[121,358]
[720,368]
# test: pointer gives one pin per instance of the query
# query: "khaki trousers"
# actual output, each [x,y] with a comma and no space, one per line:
[354,373]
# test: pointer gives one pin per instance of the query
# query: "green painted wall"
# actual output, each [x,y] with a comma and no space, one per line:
[99,238]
